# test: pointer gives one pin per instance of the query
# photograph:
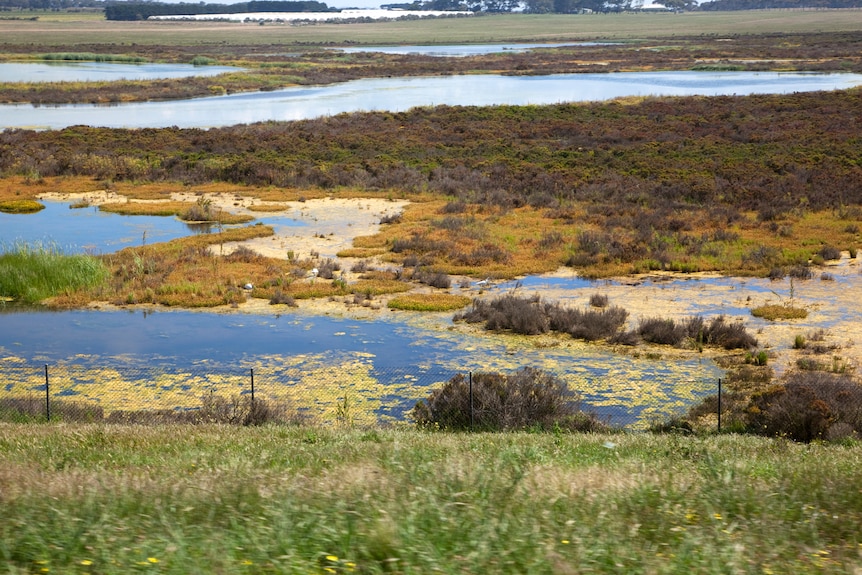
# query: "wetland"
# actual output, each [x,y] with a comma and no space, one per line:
[670,206]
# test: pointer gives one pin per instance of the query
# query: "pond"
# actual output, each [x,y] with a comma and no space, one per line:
[101,71]
[88,230]
[399,94]
[112,357]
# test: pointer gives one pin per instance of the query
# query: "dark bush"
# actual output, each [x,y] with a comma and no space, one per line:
[599,300]
[327,269]
[829,253]
[625,338]
[360,267]
[550,240]
[521,315]
[433,279]
[590,325]
[390,219]
[718,331]
[484,254]
[810,405]
[456,207]
[279,297]
[800,272]
[243,254]
[592,243]
[420,244]
[729,335]
[661,331]
[528,398]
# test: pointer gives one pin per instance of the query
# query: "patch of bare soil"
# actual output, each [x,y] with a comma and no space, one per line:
[324,227]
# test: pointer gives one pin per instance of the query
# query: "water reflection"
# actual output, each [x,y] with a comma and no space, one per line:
[399,94]
[101,71]
[89,230]
[388,362]
[464,50]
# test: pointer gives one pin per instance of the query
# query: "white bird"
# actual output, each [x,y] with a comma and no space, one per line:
[313,273]
[483,283]
[248,286]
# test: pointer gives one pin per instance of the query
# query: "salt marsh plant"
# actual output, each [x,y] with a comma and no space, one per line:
[32,273]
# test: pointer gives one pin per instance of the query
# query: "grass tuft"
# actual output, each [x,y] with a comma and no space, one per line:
[32,274]
[21,206]
[774,312]
[428,302]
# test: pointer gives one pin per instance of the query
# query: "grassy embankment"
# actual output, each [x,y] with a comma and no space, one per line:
[117,499]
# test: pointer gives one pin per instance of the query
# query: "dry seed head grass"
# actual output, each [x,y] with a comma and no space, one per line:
[556,482]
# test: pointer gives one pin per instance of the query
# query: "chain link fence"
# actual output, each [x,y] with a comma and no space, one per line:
[352,394]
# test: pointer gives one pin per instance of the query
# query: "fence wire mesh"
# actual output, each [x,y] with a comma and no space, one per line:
[357,394]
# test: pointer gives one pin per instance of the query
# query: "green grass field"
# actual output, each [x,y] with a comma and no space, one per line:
[118,499]
[85,28]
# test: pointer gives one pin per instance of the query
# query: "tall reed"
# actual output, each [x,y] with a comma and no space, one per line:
[32,273]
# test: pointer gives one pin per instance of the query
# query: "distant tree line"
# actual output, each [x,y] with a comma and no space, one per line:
[8,5]
[143,10]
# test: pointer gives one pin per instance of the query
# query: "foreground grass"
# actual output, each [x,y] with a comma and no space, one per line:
[115,499]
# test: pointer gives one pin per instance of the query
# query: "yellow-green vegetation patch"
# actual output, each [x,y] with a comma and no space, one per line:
[268,208]
[21,206]
[171,208]
[429,302]
[379,286]
[360,252]
[329,389]
[773,312]
[146,208]
[257,230]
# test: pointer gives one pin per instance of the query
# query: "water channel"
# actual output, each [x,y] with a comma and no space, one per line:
[101,71]
[399,94]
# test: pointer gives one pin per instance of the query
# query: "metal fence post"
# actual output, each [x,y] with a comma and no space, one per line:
[252,385]
[719,404]
[471,400]
[47,396]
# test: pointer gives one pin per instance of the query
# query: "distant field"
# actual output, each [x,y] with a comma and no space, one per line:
[85,28]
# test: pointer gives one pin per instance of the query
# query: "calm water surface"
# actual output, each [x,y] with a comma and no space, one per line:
[101,71]
[399,94]
[88,230]
[463,50]
[170,340]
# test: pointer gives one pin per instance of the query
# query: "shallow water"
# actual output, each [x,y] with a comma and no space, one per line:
[464,50]
[88,230]
[399,94]
[101,71]
[388,363]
